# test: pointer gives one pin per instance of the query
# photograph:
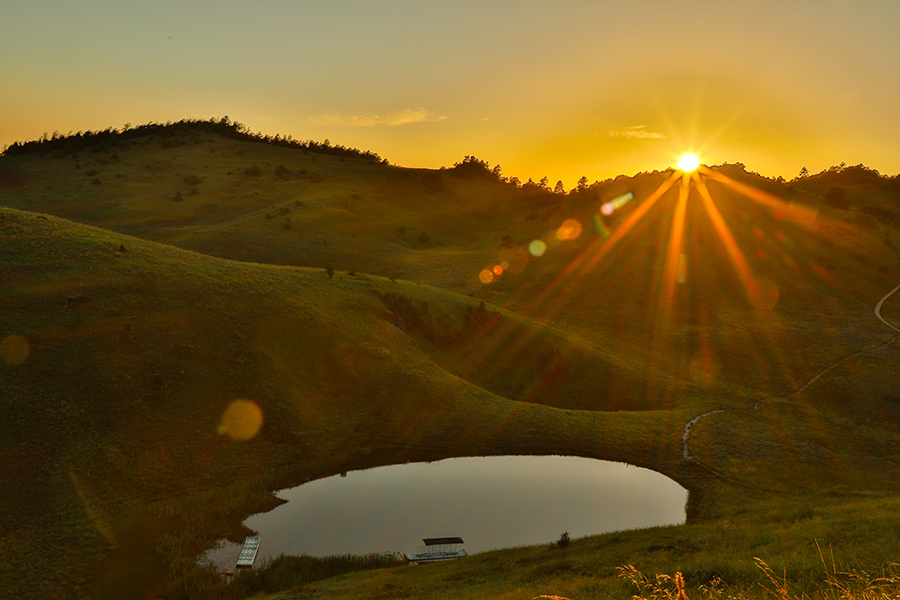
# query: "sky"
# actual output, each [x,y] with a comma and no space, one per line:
[561,88]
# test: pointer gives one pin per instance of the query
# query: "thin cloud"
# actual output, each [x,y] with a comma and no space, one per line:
[400,117]
[637,132]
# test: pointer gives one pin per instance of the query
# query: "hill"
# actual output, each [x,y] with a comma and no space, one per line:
[160,281]
[131,353]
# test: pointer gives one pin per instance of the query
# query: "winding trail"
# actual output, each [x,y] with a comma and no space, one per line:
[686,435]
[878,308]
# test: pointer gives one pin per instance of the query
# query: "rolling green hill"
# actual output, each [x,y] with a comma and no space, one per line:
[174,349]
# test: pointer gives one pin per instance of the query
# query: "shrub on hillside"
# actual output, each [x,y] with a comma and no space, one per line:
[282,172]
[253,171]
[836,197]
[433,182]
[884,215]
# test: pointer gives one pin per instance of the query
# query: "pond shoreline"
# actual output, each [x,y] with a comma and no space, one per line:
[493,502]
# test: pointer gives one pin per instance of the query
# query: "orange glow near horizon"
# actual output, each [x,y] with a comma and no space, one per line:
[760,293]
[621,115]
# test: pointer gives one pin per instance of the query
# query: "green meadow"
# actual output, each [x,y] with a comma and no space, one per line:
[193,317]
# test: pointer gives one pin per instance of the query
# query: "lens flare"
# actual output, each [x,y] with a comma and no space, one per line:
[242,420]
[682,268]
[15,349]
[763,294]
[613,205]
[486,276]
[537,248]
[569,230]
[600,227]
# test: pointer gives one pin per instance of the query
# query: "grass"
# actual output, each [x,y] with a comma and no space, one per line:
[136,347]
[790,535]
[141,425]
[703,553]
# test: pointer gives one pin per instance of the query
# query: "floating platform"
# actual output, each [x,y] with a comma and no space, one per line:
[248,553]
[437,549]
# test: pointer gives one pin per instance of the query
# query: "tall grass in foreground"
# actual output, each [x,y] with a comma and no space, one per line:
[843,585]
[287,572]
[283,572]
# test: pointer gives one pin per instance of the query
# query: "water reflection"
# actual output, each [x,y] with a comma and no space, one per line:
[491,502]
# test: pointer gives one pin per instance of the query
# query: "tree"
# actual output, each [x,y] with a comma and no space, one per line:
[472,167]
[558,188]
[544,183]
[804,172]
[329,268]
[582,184]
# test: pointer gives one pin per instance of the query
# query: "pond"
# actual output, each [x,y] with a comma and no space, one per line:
[491,502]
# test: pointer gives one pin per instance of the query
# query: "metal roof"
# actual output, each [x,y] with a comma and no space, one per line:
[443,541]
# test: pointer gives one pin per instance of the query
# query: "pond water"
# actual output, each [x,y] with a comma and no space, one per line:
[491,502]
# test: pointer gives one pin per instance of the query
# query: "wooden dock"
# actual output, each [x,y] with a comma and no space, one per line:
[248,553]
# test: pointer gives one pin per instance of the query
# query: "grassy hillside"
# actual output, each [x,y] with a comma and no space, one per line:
[257,202]
[252,201]
[130,354]
[174,349]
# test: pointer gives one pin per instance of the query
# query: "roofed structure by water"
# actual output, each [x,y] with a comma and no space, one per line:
[436,549]
[444,541]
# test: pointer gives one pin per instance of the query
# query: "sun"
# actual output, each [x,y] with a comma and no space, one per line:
[688,162]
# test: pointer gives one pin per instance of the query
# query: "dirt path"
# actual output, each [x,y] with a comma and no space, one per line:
[878,308]
[690,425]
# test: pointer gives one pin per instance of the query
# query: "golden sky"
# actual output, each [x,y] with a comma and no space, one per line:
[558,89]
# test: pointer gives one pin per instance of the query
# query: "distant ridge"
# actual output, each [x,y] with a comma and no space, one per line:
[72,142]
[471,166]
